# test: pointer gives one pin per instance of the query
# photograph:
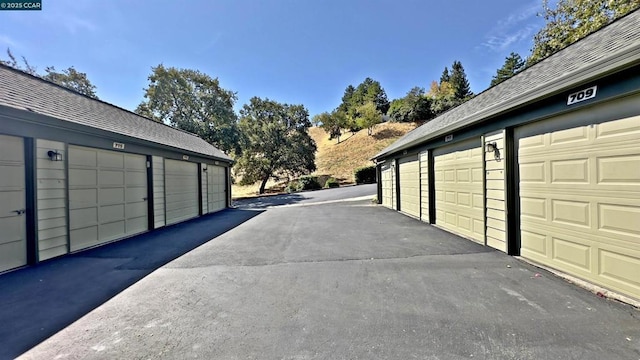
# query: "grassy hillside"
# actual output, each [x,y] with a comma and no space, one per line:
[341,159]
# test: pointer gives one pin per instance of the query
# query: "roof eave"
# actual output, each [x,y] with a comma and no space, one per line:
[615,62]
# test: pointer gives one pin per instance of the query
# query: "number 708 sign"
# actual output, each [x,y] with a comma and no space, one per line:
[582,95]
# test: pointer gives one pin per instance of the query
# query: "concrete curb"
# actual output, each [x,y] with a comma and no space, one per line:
[595,289]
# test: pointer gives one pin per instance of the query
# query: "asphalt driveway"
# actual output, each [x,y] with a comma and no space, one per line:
[347,280]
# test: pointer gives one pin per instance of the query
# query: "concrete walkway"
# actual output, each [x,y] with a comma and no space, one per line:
[339,280]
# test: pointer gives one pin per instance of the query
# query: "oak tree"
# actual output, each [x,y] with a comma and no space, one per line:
[192,101]
[275,140]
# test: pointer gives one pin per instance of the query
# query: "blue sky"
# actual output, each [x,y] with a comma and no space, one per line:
[293,51]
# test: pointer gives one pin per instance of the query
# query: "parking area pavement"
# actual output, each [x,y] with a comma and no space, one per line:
[348,280]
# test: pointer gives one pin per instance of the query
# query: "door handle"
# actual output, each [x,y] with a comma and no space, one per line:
[144,199]
[19,212]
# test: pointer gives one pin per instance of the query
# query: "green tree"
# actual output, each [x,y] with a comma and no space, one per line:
[371,91]
[368,117]
[571,20]
[368,90]
[345,105]
[275,142]
[399,110]
[442,97]
[414,107]
[445,77]
[195,102]
[71,79]
[332,123]
[461,88]
[513,64]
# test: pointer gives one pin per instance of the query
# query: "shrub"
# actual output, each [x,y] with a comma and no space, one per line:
[308,183]
[331,183]
[291,187]
[366,175]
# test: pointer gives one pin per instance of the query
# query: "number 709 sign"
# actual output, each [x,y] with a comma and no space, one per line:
[582,95]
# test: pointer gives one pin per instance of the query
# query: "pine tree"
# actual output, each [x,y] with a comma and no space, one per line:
[513,64]
[445,77]
[459,82]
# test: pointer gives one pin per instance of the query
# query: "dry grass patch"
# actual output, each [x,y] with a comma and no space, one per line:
[341,159]
[338,160]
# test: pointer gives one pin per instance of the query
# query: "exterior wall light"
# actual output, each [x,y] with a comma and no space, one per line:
[54,155]
[492,147]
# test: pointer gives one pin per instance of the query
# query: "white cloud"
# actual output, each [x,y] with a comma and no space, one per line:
[516,27]
[75,25]
[7,41]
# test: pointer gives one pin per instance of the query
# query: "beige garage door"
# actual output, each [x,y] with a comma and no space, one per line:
[458,185]
[181,189]
[410,185]
[13,245]
[216,188]
[580,200]
[388,186]
[107,196]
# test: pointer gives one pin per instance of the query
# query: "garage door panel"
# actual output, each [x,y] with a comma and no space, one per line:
[571,253]
[619,170]
[387,173]
[83,217]
[111,178]
[135,194]
[181,187]
[580,201]
[83,177]
[111,195]
[80,157]
[111,160]
[409,172]
[83,237]
[216,188]
[13,246]
[99,192]
[459,190]
[620,220]
[111,231]
[134,178]
[620,268]
[622,129]
[135,162]
[111,213]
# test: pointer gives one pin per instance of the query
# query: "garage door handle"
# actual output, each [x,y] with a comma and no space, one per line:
[144,199]
[19,212]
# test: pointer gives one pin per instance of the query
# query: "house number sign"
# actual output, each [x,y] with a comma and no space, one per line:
[119,146]
[582,95]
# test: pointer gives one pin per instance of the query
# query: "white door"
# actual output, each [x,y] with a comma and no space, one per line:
[107,196]
[580,199]
[459,190]
[216,188]
[388,186]
[410,185]
[13,244]
[181,189]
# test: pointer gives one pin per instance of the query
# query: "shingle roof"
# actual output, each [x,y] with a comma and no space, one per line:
[611,48]
[25,92]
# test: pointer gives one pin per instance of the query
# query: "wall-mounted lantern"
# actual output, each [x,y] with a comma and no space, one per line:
[492,147]
[54,155]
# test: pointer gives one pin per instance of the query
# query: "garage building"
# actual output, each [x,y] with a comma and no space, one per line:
[76,172]
[545,165]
